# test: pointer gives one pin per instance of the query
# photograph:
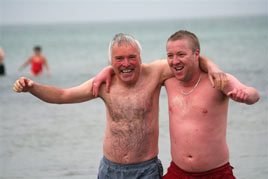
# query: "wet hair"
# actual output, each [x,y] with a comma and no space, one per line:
[37,48]
[184,34]
[123,39]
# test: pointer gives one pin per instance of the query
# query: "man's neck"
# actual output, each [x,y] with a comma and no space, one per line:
[194,78]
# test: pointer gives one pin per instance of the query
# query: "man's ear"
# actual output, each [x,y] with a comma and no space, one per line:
[140,59]
[197,54]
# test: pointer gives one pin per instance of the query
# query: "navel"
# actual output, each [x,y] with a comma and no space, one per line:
[190,156]
[205,111]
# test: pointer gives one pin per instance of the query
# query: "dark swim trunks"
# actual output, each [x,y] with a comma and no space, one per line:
[151,169]
[2,69]
[223,172]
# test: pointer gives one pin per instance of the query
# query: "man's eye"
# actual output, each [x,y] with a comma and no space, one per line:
[169,56]
[180,54]
[119,58]
[132,57]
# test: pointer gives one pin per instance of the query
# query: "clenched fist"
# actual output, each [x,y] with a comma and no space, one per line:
[23,85]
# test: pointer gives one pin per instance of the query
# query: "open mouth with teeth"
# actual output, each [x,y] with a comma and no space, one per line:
[127,74]
[179,68]
[126,71]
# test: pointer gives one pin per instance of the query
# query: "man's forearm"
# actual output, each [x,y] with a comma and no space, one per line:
[48,94]
[109,69]
[206,64]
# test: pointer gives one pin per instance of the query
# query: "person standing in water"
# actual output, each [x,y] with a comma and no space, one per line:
[37,61]
[2,67]
[198,113]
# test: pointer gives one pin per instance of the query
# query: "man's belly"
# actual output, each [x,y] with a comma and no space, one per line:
[199,156]
[125,146]
[129,157]
[130,154]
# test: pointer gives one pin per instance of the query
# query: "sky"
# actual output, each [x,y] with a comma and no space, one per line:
[55,11]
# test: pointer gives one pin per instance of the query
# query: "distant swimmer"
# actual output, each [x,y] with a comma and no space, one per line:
[37,61]
[2,67]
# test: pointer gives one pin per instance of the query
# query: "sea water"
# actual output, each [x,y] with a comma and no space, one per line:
[41,140]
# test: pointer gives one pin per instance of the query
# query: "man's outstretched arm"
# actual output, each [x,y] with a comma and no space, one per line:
[53,94]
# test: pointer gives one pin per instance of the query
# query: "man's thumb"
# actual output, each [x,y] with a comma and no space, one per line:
[211,81]
[30,83]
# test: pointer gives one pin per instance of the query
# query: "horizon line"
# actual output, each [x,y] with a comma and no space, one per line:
[132,20]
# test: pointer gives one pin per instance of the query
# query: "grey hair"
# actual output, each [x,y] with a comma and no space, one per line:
[120,39]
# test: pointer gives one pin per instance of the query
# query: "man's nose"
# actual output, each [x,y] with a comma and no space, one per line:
[175,60]
[126,62]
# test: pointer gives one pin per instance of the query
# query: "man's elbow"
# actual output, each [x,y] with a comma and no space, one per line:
[254,99]
[257,97]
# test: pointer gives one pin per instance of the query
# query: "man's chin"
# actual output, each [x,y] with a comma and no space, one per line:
[127,78]
[126,75]
[178,76]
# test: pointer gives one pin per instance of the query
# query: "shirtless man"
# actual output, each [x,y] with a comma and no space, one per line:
[130,143]
[37,61]
[198,113]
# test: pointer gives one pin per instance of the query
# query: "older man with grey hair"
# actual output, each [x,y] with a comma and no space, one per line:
[130,143]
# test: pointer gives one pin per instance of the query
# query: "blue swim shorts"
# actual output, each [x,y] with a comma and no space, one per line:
[151,169]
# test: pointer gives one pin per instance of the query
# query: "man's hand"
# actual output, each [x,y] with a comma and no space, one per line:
[217,78]
[239,95]
[105,76]
[23,85]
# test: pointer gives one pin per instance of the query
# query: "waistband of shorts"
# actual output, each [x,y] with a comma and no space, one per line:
[215,170]
[136,165]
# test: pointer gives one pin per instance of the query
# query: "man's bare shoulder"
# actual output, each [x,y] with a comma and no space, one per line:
[115,88]
[149,72]
[172,79]
[146,68]
[154,66]
[170,82]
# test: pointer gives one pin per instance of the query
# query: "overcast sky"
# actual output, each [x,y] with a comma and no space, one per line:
[51,11]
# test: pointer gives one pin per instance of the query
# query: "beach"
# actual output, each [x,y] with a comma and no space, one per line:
[40,140]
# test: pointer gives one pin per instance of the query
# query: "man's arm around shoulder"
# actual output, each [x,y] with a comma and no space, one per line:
[162,68]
